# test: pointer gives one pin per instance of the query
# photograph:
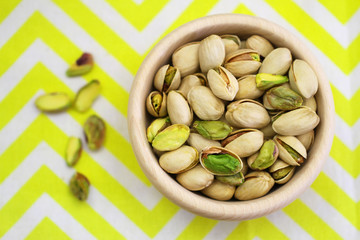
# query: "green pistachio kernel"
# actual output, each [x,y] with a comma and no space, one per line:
[169,76]
[267,156]
[79,186]
[171,138]
[281,173]
[283,98]
[265,81]
[214,130]
[221,164]
[293,153]
[234,180]
[155,127]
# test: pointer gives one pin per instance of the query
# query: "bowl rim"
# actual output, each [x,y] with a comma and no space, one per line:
[206,207]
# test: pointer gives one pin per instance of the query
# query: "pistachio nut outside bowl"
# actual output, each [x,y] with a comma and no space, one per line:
[138,119]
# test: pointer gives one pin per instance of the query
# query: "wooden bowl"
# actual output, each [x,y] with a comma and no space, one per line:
[138,119]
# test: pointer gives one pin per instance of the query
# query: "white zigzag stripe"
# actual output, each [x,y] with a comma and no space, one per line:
[348,135]
[221,230]
[45,206]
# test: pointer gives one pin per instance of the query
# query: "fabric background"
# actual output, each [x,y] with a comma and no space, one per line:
[38,41]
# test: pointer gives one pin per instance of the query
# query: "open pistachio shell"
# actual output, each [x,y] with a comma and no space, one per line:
[231,43]
[167,78]
[222,83]
[171,137]
[256,185]
[247,88]
[156,104]
[190,81]
[195,179]
[199,142]
[179,160]
[242,62]
[266,157]
[233,180]
[219,191]
[186,58]
[281,171]
[178,109]
[311,103]
[214,130]
[307,139]
[291,150]
[156,126]
[303,79]
[277,62]
[260,44]
[211,53]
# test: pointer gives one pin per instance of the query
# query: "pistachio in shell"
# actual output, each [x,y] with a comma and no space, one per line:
[307,139]
[233,180]
[219,191]
[266,157]
[195,179]
[231,43]
[199,142]
[171,138]
[86,96]
[156,104]
[303,79]
[211,53]
[281,171]
[79,186]
[156,126]
[256,185]
[277,62]
[94,129]
[179,160]
[242,62]
[311,103]
[186,58]
[283,98]
[260,44]
[191,81]
[222,83]
[178,108]
[291,150]
[53,102]
[73,151]
[167,78]
[82,65]
[248,88]
[214,130]
[266,81]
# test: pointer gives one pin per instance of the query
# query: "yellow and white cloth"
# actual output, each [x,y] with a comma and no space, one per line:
[40,38]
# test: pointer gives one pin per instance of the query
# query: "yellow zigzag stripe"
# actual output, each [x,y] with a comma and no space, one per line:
[47,228]
[193,231]
[98,177]
[345,59]
[7,7]
[344,11]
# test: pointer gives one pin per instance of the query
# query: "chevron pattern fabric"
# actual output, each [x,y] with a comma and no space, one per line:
[39,39]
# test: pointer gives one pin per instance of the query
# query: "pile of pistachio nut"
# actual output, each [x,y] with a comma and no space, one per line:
[232,117]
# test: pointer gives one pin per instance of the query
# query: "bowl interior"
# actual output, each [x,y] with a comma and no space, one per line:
[243,26]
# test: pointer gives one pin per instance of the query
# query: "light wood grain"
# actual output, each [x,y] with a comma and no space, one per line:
[244,26]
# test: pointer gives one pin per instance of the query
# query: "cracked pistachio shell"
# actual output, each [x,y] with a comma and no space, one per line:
[256,185]
[266,157]
[282,98]
[195,179]
[211,53]
[191,81]
[247,88]
[268,131]
[94,129]
[233,180]
[303,79]
[53,102]
[222,83]
[79,186]
[311,103]
[214,130]
[296,122]
[231,43]
[220,161]
[219,191]
[178,109]
[186,58]
[307,139]
[156,104]
[73,151]
[277,62]
[171,138]
[167,78]
[281,171]
[242,62]
[199,142]
[179,160]
[155,127]
[247,113]
[260,44]
[244,142]
[291,150]
[205,104]
[251,159]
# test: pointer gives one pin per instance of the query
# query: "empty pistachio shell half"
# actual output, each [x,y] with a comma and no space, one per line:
[167,78]
[307,139]
[311,103]
[191,81]
[205,104]
[156,126]
[94,129]
[156,104]
[231,43]
[73,151]
[53,102]
[79,186]
[291,150]
[248,88]
[186,58]
[195,179]
[199,142]
[267,156]
[171,138]
[86,96]
[233,180]
[219,191]
[178,109]
[222,83]
[220,161]
[303,79]
[277,62]
[283,98]
[83,65]
[260,44]
[266,81]
[179,160]
[211,53]
[242,62]
[281,171]
[256,185]
[214,130]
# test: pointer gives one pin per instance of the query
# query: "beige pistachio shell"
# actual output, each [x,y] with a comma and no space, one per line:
[186,58]
[211,53]
[247,88]
[247,113]
[231,43]
[245,168]
[195,179]
[156,104]
[222,83]
[178,109]
[219,191]
[199,142]
[242,62]
[159,80]
[260,44]
[295,145]
[266,103]
[191,81]
[179,160]
[311,103]
[296,122]
[307,139]
[256,185]
[268,131]
[281,165]
[277,62]
[303,79]
[205,104]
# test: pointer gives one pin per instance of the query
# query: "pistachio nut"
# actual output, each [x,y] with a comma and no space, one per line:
[179,160]
[156,104]
[190,81]
[248,88]
[311,103]
[251,159]
[199,142]
[171,138]
[211,53]
[244,142]
[231,43]
[82,65]
[219,191]
[195,179]
[281,171]
[214,130]
[242,62]
[220,161]
[94,129]
[233,180]
[167,78]
[205,104]
[186,58]
[307,139]
[283,98]
[296,122]
[247,113]
[256,185]
[291,150]
[73,151]
[222,83]
[303,79]
[86,96]
[79,186]
[178,109]
[267,156]
[266,81]
[277,62]
[53,102]
[260,44]
[157,126]
[268,131]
